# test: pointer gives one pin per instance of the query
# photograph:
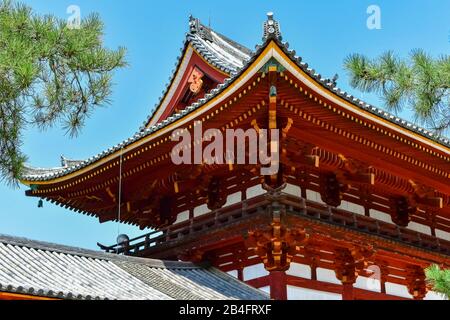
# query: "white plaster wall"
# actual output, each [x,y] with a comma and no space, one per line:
[255,271]
[201,210]
[293,190]
[431,295]
[442,234]
[296,293]
[314,196]
[299,270]
[182,216]
[327,275]
[397,290]
[419,227]
[369,284]
[352,207]
[380,215]
[255,191]
[233,198]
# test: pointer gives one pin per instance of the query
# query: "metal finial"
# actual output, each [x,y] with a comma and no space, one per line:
[271,28]
[122,239]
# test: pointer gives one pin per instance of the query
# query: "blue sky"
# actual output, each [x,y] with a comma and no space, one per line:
[322,32]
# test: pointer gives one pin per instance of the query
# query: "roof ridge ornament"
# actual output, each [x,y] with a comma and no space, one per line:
[195,27]
[194,24]
[271,28]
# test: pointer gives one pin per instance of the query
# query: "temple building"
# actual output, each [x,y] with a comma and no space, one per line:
[359,205]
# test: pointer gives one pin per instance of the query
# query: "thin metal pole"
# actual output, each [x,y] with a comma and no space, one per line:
[120,193]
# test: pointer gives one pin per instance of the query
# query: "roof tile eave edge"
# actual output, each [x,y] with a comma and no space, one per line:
[259,48]
[172,77]
[190,39]
[41,293]
[142,133]
[95,254]
[360,104]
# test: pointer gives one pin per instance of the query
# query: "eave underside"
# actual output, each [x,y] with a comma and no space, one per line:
[220,238]
[334,135]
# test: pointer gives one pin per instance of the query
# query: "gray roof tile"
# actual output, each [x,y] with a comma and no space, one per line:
[49,270]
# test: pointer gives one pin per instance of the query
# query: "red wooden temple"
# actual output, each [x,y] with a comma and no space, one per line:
[359,207]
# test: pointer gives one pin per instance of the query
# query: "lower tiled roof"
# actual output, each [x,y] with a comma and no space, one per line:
[49,270]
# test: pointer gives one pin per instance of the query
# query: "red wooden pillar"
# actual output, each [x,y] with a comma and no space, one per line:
[313,272]
[278,285]
[240,274]
[347,291]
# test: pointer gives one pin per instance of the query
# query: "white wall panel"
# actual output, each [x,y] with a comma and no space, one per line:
[201,210]
[314,196]
[327,275]
[397,290]
[442,234]
[419,227]
[352,207]
[255,191]
[380,215]
[369,284]
[297,293]
[293,190]
[233,198]
[182,216]
[299,270]
[434,296]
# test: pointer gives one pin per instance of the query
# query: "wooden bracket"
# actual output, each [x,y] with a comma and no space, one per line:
[216,198]
[425,196]
[355,172]
[416,279]
[401,210]
[276,245]
[330,189]
[350,262]
[304,155]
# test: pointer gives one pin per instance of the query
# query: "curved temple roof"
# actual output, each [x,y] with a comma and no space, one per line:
[234,59]
[219,51]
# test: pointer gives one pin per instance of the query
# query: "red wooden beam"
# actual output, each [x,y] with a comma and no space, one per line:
[278,285]
[259,282]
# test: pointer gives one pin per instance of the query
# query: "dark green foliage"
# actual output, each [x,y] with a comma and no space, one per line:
[439,279]
[421,84]
[50,75]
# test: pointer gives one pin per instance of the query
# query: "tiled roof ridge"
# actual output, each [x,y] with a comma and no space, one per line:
[76,251]
[195,32]
[47,293]
[47,270]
